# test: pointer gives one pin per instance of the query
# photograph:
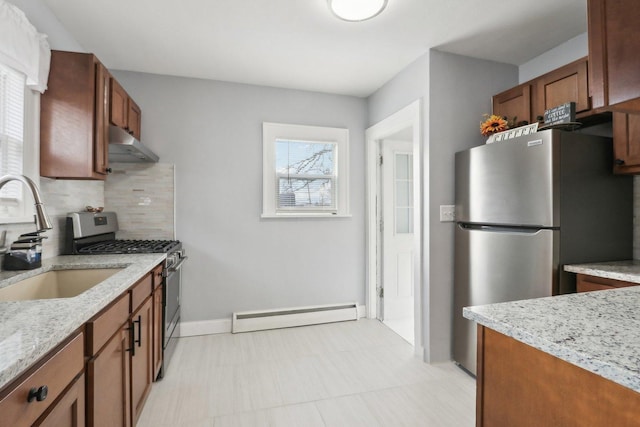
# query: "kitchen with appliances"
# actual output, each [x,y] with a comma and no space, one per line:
[210,130]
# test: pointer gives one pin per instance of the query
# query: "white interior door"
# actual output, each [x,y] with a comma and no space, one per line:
[397,237]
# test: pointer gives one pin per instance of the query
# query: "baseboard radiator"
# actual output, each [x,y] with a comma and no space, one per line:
[289,317]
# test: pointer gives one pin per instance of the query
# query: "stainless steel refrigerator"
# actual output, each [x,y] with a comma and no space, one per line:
[524,208]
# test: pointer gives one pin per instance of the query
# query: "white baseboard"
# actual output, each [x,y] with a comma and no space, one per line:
[223,326]
[205,327]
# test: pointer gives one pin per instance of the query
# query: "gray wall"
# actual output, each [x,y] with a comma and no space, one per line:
[456,92]
[560,55]
[460,93]
[212,131]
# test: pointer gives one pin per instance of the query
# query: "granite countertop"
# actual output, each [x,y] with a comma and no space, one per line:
[628,271]
[597,331]
[29,329]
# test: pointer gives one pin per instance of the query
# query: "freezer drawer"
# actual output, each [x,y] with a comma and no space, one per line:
[512,182]
[497,265]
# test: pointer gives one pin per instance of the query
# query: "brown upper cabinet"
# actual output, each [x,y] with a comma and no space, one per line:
[529,100]
[614,63]
[565,84]
[74,114]
[82,100]
[626,143]
[515,102]
[124,113]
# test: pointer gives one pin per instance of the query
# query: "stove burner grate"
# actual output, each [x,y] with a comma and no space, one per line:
[130,247]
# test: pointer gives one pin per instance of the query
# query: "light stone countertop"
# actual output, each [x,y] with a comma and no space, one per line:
[597,331]
[628,271]
[29,329]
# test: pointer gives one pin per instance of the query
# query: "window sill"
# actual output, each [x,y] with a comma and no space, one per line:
[305,215]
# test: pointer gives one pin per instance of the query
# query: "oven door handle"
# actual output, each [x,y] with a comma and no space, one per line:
[176,267]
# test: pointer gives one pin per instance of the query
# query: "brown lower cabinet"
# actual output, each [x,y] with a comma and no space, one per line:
[588,283]
[157,331]
[101,377]
[120,343]
[49,394]
[142,359]
[69,411]
[109,379]
[518,385]
[626,143]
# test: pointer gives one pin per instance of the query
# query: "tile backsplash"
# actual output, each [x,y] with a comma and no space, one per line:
[142,194]
[60,197]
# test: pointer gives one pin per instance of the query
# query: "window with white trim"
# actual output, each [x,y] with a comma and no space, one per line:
[305,171]
[17,151]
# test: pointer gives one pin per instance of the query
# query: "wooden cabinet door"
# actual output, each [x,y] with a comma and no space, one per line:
[142,358]
[565,84]
[69,411]
[626,143]
[587,283]
[119,107]
[73,129]
[101,137]
[124,113]
[614,43]
[134,117]
[109,381]
[52,376]
[518,385]
[157,331]
[515,102]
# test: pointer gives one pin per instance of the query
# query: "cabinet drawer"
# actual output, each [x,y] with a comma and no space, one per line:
[105,324]
[157,276]
[56,374]
[587,283]
[140,291]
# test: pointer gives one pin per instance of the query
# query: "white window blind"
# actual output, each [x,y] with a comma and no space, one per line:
[12,108]
[304,171]
[306,175]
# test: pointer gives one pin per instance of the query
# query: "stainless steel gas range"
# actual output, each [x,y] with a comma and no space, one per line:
[91,233]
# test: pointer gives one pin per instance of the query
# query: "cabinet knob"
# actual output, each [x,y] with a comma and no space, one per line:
[109,170]
[619,162]
[38,394]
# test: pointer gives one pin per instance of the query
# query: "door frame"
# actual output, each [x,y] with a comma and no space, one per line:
[409,116]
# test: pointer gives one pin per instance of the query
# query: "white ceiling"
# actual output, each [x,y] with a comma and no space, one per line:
[299,44]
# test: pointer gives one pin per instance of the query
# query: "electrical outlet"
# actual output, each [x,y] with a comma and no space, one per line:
[447,213]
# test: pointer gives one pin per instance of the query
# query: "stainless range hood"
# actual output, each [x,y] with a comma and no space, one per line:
[124,148]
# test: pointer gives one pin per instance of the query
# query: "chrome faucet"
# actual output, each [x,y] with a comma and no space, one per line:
[42,219]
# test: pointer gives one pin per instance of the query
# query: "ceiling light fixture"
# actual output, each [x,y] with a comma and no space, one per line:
[356,10]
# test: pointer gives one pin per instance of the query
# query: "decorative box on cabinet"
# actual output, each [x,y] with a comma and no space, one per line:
[614,63]
[74,118]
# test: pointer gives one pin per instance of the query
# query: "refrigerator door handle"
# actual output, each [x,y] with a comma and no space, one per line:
[504,229]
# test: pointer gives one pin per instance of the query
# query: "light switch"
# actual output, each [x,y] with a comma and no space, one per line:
[447,213]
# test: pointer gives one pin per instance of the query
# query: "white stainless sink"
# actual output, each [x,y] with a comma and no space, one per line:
[56,284]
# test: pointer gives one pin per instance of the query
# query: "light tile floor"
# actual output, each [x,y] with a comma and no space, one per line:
[342,374]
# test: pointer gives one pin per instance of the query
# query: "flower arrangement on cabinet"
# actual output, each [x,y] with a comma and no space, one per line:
[493,124]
